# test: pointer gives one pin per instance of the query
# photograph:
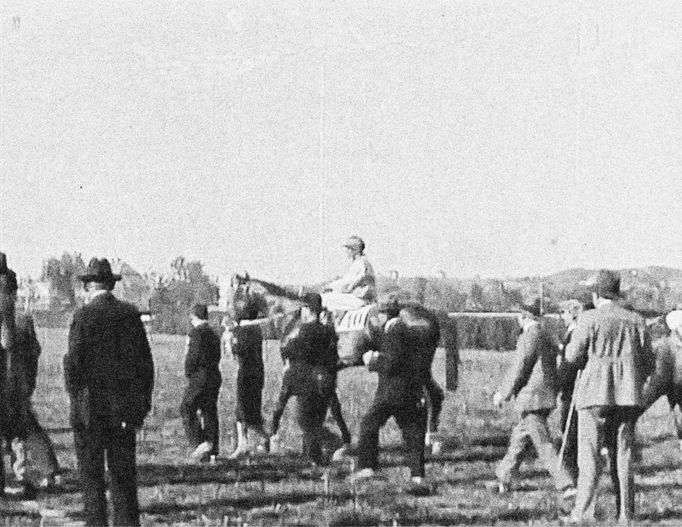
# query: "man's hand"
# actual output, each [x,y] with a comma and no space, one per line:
[368,356]
[498,400]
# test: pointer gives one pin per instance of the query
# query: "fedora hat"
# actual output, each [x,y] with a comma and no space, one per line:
[605,283]
[99,270]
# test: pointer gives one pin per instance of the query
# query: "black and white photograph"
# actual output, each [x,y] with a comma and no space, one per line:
[340,263]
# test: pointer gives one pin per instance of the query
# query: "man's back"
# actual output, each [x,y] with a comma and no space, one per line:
[612,344]
[204,350]
[533,377]
[109,355]
[399,373]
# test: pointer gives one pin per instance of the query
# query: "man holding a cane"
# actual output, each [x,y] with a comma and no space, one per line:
[611,345]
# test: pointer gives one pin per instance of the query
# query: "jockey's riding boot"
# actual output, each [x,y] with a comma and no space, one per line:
[242,442]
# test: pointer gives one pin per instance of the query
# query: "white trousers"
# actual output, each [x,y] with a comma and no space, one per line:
[342,301]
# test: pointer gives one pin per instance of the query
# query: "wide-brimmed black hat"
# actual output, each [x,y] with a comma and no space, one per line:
[99,270]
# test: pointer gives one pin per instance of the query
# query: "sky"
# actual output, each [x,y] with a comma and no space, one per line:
[485,138]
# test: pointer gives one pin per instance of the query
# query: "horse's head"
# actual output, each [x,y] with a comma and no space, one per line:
[245,303]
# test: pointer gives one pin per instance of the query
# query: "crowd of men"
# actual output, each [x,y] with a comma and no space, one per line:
[603,375]
[606,375]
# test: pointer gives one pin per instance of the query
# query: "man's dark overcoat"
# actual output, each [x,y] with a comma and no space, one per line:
[109,375]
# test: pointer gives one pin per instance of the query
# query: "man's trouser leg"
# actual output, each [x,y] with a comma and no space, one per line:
[188,410]
[411,419]
[90,447]
[519,441]
[311,412]
[570,459]
[537,429]
[368,447]
[123,471]
[282,400]
[335,407]
[590,432]
[211,432]
[620,438]
[675,402]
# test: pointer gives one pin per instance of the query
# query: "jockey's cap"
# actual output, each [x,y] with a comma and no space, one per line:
[356,243]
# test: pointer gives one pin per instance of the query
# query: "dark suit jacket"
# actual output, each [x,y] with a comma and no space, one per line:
[22,370]
[399,373]
[315,344]
[313,358]
[203,355]
[108,369]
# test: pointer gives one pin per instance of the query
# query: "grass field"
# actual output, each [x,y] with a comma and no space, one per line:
[284,490]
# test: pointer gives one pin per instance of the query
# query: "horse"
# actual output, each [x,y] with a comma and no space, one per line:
[359,331]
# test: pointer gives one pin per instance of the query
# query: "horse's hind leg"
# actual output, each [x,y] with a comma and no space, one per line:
[335,407]
[436,396]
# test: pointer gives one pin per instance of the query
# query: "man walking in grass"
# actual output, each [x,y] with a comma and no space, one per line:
[202,359]
[611,344]
[532,381]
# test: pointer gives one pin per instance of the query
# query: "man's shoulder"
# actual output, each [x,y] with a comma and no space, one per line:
[614,311]
[107,303]
[204,329]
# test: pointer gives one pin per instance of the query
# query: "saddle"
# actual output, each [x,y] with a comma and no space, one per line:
[354,320]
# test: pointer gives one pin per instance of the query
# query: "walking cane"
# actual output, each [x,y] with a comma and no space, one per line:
[571,409]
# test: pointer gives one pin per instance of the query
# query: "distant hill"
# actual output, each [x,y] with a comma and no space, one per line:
[631,277]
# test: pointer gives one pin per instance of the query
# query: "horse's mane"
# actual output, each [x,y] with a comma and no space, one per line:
[277,290]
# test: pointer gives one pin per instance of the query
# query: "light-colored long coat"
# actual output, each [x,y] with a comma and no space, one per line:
[613,346]
[533,378]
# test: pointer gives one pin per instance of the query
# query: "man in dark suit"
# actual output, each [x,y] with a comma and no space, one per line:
[311,376]
[109,376]
[399,394]
[202,370]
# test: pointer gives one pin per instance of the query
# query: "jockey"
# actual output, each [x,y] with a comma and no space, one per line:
[357,287]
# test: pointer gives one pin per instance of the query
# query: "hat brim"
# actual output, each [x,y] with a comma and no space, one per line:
[100,278]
